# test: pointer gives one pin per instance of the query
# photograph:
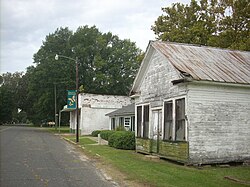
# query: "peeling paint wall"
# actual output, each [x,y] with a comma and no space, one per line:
[156,84]
[219,123]
[94,107]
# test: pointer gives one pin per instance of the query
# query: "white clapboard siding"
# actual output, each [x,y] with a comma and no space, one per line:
[219,123]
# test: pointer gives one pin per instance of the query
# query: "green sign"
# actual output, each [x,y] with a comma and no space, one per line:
[71,99]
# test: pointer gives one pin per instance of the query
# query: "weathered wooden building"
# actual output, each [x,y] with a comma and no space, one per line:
[193,103]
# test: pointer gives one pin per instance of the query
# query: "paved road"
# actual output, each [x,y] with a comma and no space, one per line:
[31,157]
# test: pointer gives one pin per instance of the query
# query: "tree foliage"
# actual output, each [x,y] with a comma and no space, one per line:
[9,97]
[107,65]
[219,23]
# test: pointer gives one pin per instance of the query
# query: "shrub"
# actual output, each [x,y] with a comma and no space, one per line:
[105,134]
[122,140]
[95,133]
[120,128]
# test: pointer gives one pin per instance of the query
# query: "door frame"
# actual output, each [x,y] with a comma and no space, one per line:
[159,127]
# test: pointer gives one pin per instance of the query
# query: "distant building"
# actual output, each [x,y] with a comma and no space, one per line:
[92,110]
[123,117]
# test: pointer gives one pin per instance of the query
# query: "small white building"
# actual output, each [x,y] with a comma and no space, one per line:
[92,110]
[193,103]
[123,117]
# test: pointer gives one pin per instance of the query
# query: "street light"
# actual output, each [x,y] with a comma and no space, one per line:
[77,80]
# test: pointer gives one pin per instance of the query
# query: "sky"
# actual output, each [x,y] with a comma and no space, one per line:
[26,23]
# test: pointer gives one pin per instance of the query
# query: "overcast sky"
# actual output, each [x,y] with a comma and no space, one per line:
[25,23]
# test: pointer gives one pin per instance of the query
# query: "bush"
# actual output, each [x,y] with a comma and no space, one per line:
[105,134]
[122,140]
[120,128]
[95,133]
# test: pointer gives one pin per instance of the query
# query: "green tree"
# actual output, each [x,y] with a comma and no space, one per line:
[220,23]
[9,97]
[107,65]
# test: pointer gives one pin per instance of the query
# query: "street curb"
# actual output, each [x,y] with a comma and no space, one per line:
[70,141]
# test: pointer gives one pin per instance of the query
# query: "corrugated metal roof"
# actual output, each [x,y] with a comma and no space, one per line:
[207,63]
[126,110]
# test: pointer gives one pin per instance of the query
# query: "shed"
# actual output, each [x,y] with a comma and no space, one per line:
[123,117]
[192,103]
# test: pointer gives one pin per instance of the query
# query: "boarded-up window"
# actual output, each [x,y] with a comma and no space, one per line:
[146,121]
[139,120]
[168,120]
[180,120]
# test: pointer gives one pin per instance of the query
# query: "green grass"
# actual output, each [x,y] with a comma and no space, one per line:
[82,140]
[161,172]
[62,129]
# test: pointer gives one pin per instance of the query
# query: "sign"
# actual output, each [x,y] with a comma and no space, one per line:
[71,99]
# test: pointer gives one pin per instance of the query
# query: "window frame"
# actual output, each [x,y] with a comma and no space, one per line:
[169,121]
[129,122]
[174,118]
[139,128]
[145,123]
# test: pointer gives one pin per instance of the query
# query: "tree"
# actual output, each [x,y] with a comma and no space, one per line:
[8,97]
[220,23]
[107,65]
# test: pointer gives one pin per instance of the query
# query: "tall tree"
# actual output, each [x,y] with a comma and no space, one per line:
[107,65]
[9,97]
[220,23]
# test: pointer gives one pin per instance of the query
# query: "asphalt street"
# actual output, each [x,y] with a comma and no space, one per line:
[31,157]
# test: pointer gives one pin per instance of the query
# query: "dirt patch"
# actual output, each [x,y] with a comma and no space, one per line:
[109,172]
[237,180]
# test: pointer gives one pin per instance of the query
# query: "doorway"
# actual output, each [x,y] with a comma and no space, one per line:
[156,129]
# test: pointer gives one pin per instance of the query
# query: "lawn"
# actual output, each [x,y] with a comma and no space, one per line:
[161,172]
[53,129]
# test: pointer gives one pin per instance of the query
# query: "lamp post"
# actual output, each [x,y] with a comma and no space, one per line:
[77,80]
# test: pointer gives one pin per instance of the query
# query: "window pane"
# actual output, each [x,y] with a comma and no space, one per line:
[168,120]
[139,120]
[180,120]
[127,123]
[146,121]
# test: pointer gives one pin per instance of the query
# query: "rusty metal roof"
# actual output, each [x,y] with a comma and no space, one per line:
[207,63]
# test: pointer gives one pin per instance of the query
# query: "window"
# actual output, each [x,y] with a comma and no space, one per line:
[168,120]
[174,120]
[121,121]
[112,123]
[180,119]
[146,121]
[139,120]
[127,123]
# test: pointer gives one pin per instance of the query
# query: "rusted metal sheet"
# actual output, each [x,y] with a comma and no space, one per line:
[207,63]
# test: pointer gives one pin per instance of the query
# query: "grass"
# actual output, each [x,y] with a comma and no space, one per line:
[62,129]
[82,140]
[161,172]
